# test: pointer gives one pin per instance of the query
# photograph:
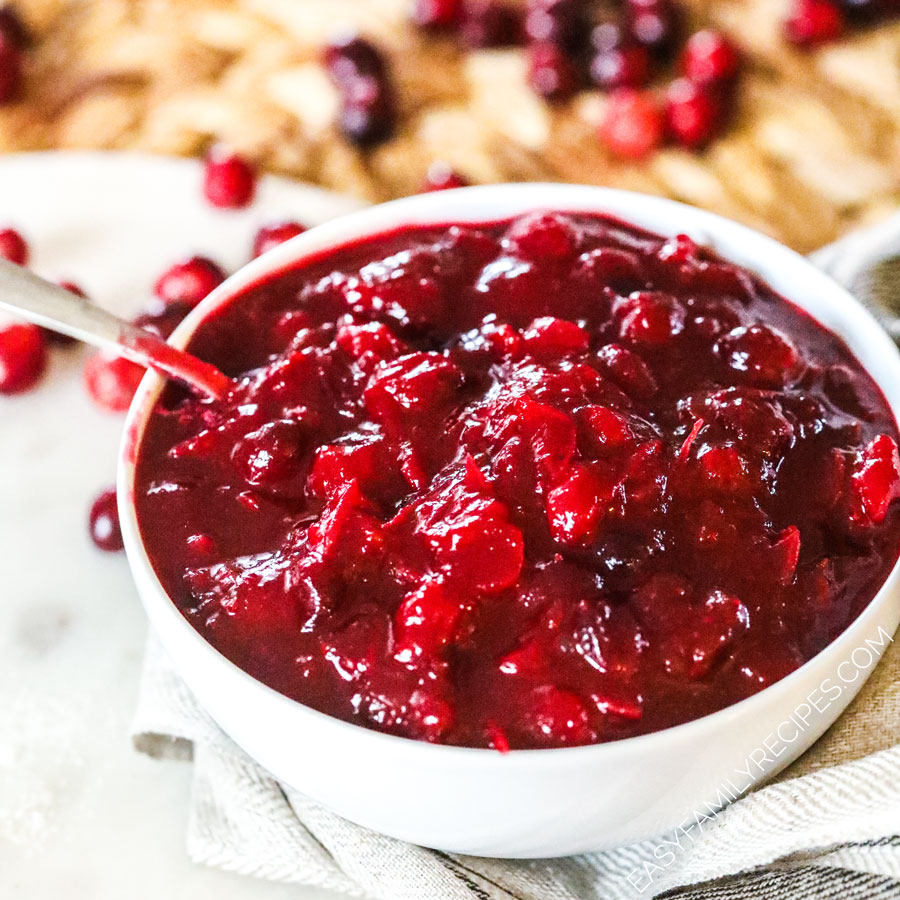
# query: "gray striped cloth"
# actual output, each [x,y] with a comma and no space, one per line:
[827,827]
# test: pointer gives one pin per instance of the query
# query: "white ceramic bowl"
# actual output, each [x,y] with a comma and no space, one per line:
[531,803]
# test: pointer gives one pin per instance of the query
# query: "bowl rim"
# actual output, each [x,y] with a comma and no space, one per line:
[753,250]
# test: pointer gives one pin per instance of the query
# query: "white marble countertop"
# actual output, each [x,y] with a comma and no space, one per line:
[82,815]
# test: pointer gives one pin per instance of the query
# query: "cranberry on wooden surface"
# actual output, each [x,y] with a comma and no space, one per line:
[633,124]
[559,22]
[111,381]
[625,65]
[189,281]
[275,233]
[350,57]
[13,246]
[710,58]
[23,357]
[814,22]
[551,72]
[693,113]
[103,522]
[229,181]
[10,68]
[653,23]
[490,23]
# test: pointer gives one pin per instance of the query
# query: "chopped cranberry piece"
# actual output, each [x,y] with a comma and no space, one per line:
[724,467]
[633,124]
[336,465]
[10,68]
[229,181]
[722,620]
[270,236]
[554,337]
[763,355]
[111,381]
[558,717]
[551,73]
[103,522]
[437,13]
[710,58]
[490,23]
[575,508]
[425,622]
[270,454]
[628,369]
[496,738]
[13,247]
[23,357]
[814,22]
[625,66]
[787,553]
[693,113]
[876,478]
[441,177]
[606,427]
[189,281]
[413,384]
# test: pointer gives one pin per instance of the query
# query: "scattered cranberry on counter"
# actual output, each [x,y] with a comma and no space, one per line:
[437,14]
[275,233]
[229,181]
[490,23]
[13,247]
[710,58]
[23,357]
[693,113]
[188,282]
[814,22]
[111,381]
[619,64]
[103,522]
[442,177]
[551,72]
[633,125]
[559,22]
[10,68]
[654,23]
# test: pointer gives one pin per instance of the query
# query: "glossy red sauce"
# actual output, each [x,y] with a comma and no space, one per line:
[531,484]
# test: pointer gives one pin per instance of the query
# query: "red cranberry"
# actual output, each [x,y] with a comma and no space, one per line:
[425,622]
[229,181]
[441,177]
[437,13]
[633,124]
[575,508]
[201,546]
[606,427]
[490,23]
[23,357]
[558,717]
[876,478]
[628,370]
[763,355]
[368,114]
[270,454]
[559,22]
[649,318]
[653,23]
[541,237]
[724,468]
[553,337]
[103,522]
[551,73]
[13,247]
[188,282]
[710,58]
[270,236]
[693,113]
[351,57]
[813,22]
[111,381]
[622,66]
[10,68]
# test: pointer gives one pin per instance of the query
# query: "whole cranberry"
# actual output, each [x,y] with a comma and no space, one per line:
[103,522]
[441,177]
[111,381]
[710,58]
[762,355]
[13,247]
[23,357]
[551,72]
[367,124]
[814,22]
[559,22]
[10,68]
[188,281]
[350,56]
[633,124]
[622,66]
[490,23]
[437,14]
[270,236]
[229,181]
[654,23]
[693,113]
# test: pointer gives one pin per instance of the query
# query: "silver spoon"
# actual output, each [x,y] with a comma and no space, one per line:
[46,304]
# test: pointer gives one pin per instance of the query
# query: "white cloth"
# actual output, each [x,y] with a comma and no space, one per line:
[828,827]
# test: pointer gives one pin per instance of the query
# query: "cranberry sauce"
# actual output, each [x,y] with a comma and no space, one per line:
[539,483]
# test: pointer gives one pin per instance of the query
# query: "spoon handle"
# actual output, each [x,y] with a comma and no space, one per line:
[44,303]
